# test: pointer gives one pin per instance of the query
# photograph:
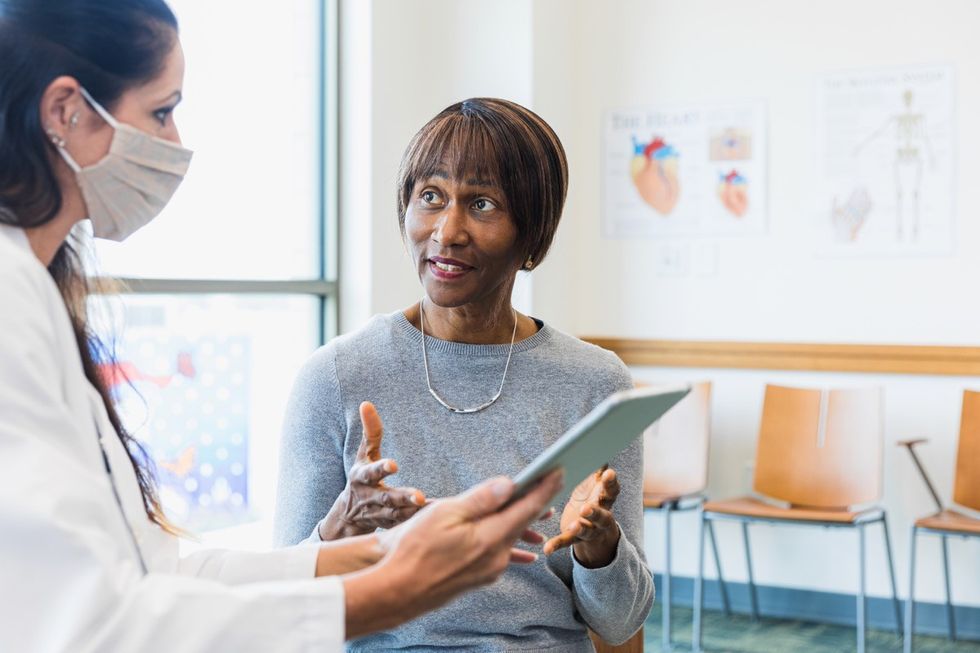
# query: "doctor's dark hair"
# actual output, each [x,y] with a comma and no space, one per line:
[499,140]
[109,46]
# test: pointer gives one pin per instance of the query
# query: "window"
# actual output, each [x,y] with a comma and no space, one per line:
[233,286]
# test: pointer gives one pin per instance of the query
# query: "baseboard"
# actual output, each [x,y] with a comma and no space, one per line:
[824,607]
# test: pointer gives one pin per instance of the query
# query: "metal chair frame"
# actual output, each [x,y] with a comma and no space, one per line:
[860,524]
[666,509]
[944,535]
[910,602]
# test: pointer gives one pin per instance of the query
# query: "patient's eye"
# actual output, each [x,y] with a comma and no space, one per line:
[484,205]
[429,196]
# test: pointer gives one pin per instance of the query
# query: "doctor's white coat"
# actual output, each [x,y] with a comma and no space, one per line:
[70,579]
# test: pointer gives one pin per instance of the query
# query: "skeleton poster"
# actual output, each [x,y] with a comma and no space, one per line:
[697,170]
[885,156]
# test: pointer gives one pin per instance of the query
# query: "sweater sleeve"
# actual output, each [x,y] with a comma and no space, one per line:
[311,460]
[616,599]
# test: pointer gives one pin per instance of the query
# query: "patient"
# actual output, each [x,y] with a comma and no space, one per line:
[469,388]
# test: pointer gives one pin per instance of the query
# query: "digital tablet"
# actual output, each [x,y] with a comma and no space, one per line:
[599,436]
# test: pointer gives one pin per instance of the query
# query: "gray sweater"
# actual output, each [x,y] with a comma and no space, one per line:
[554,380]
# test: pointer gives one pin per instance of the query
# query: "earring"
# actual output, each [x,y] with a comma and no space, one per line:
[55,138]
[73,121]
[529,264]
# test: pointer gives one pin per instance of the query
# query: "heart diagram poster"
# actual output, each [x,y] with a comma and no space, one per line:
[696,170]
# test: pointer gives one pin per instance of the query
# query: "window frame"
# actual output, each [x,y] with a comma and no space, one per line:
[325,286]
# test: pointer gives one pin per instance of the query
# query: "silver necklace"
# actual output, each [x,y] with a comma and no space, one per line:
[428,380]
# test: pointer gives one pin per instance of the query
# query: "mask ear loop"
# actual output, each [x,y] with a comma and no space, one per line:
[99,109]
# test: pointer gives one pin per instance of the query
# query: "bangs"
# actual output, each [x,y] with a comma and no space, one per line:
[459,146]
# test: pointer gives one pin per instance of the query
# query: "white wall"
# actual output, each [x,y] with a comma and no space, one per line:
[774,288]
[571,59]
[637,53]
[402,63]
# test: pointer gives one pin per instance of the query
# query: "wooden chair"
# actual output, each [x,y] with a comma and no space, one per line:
[946,523]
[675,475]
[820,452]
[633,645]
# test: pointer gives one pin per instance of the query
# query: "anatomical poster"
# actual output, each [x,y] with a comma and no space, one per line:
[885,157]
[696,170]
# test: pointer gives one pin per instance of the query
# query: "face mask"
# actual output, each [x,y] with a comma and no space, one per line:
[133,182]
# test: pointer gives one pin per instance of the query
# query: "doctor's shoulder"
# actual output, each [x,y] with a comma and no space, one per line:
[25,284]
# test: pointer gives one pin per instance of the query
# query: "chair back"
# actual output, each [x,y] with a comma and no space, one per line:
[675,449]
[966,486]
[820,448]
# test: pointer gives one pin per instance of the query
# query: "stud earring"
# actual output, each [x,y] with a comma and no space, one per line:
[55,138]
[528,264]
[73,121]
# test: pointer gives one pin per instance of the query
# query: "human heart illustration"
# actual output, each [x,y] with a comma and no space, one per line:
[654,172]
[733,191]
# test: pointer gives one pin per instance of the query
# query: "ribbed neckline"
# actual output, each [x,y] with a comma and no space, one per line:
[465,349]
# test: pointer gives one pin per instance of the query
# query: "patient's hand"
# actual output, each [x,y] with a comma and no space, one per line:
[587,523]
[367,503]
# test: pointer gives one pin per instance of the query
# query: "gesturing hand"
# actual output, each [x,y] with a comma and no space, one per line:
[455,545]
[587,522]
[368,503]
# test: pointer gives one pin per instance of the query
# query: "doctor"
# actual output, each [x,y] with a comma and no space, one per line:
[88,561]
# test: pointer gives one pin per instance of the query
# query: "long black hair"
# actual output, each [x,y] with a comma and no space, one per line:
[109,46]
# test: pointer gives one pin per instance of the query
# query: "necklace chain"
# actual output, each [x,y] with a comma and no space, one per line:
[428,379]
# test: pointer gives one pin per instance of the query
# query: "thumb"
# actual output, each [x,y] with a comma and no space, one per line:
[372,428]
[486,498]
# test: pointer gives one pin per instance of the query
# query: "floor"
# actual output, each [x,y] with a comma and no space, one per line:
[739,633]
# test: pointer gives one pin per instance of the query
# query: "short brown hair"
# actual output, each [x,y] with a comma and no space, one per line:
[499,140]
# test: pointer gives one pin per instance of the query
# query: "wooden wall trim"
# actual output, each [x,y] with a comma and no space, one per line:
[894,359]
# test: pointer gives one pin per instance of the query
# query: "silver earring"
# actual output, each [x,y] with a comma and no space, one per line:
[55,138]
[73,121]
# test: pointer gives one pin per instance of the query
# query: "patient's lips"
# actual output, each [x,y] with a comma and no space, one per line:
[448,269]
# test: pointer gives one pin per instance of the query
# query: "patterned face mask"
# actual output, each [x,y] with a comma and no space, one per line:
[133,182]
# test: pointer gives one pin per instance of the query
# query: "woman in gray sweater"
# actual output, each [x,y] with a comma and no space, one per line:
[469,388]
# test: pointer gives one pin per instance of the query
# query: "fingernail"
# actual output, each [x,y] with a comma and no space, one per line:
[389,466]
[501,487]
[535,558]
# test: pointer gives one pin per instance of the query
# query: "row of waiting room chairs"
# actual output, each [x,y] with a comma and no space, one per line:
[818,463]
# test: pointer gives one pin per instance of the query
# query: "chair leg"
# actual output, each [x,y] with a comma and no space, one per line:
[665,599]
[698,586]
[910,600]
[721,579]
[748,563]
[891,575]
[861,630]
[950,618]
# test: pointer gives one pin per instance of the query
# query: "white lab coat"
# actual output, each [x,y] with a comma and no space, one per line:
[70,579]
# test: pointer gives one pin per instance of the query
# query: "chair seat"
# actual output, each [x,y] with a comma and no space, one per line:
[658,500]
[950,520]
[752,507]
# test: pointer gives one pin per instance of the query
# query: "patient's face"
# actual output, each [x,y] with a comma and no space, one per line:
[462,239]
